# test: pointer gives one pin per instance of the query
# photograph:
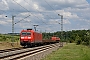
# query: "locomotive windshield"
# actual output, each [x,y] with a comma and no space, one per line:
[26,33]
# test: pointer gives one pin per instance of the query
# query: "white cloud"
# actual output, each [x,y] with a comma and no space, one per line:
[36,6]
[3,22]
[52,21]
[66,22]
[3,5]
[45,13]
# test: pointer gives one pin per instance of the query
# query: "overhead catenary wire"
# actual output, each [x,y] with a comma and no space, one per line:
[34,15]
[28,11]
[57,14]
[37,17]
[38,10]
[25,9]
[9,13]
[21,5]
[40,13]
[51,7]
[61,20]
[22,19]
[5,5]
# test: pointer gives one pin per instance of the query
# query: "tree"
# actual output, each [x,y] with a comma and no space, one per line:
[78,40]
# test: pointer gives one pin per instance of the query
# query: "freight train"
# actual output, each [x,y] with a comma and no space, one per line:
[30,38]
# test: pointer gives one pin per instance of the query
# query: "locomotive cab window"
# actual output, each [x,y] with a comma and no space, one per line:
[26,33]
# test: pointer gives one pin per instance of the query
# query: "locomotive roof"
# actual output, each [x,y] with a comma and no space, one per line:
[28,30]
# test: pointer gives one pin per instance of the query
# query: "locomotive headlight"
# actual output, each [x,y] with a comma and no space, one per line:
[29,37]
[22,37]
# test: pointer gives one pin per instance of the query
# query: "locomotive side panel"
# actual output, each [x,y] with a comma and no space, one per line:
[37,37]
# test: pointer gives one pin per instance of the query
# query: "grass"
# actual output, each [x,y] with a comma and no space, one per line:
[8,45]
[70,52]
[8,38]
[9,41]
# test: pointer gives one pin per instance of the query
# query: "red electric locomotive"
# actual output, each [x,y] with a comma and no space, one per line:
[54,38]
[29,37]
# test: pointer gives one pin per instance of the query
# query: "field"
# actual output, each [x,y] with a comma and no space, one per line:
[70,51]
[7,45]
[9,41]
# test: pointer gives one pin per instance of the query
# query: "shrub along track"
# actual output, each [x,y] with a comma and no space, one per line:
[35,53]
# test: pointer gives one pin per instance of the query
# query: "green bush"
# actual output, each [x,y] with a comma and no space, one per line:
[9,38]
[78,40]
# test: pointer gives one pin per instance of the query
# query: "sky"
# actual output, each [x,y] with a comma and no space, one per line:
[44,13]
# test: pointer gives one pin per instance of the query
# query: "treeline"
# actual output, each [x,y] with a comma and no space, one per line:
[78,36]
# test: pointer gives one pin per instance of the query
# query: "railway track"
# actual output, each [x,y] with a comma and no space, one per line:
[13,49]
[21,54]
